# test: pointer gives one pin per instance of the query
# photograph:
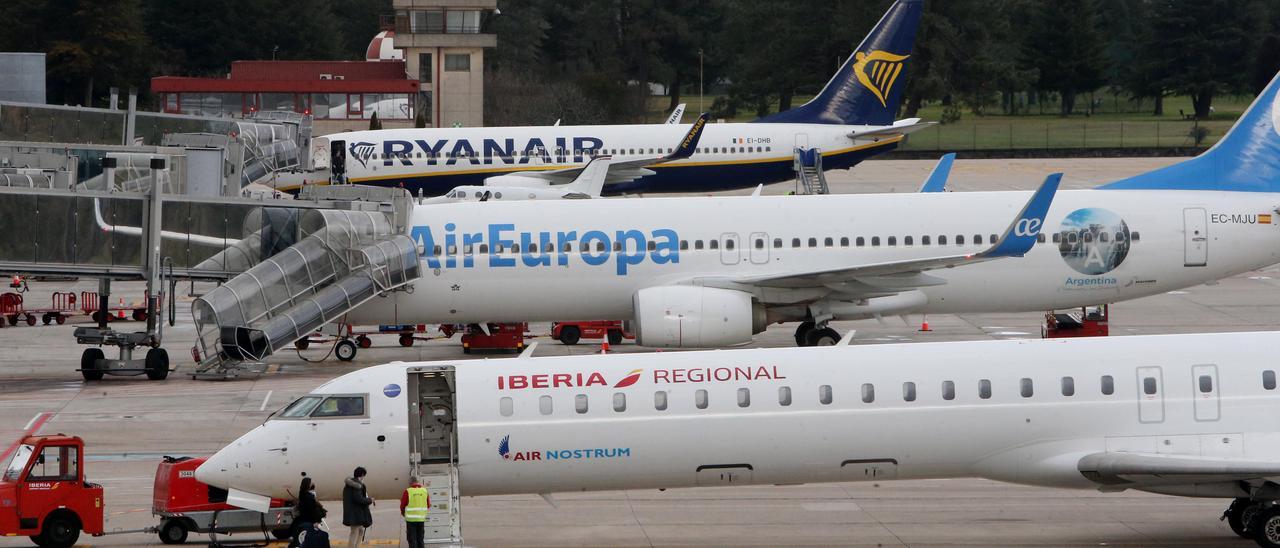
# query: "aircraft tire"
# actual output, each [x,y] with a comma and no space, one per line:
[821,337]
[1238,515]
[1265,527]
[802,331]
[615,337]
[89,366]
[346,350]
[157,364]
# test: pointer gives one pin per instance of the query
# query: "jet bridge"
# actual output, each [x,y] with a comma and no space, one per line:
[343,259]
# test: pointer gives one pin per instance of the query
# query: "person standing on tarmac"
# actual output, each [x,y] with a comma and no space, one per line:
[356,513]
[415,503]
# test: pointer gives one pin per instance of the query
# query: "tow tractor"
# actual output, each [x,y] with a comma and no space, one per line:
[1089,322]
[571,332]
[44,495]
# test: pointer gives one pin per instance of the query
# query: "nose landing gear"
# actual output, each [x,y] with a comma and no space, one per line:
[810,334]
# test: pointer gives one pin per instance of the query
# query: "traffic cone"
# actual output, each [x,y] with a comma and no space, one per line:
[604,347]
[924,324]
[120,311]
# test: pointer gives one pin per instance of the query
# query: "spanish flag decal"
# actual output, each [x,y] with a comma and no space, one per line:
[1264,218]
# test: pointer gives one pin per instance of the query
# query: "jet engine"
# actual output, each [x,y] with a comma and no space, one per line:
[692,317]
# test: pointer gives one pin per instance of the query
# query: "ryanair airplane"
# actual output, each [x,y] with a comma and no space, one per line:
[849,121]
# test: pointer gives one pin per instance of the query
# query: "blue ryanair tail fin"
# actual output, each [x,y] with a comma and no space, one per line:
[867,88]
[1247,159]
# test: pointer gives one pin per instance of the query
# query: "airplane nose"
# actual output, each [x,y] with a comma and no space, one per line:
[214,471]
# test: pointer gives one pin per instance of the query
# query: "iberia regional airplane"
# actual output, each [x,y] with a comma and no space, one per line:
[1185,415]
[851,119]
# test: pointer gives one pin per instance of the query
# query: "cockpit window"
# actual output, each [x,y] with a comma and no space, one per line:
[340,406]
[300,407]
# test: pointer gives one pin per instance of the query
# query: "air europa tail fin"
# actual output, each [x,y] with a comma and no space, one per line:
[867,89]
[1247,159]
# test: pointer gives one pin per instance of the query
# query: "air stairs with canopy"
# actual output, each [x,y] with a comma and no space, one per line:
[342,259]
[809,175]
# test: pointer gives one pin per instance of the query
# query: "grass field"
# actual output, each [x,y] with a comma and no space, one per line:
[1117,123]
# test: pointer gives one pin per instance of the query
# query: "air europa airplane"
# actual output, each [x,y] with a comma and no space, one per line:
[711,271]
[851,119]
[1187,415]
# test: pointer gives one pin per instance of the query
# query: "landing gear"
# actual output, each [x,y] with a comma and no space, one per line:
[1264,528]
[808,334]
[346,350]
[1239,514]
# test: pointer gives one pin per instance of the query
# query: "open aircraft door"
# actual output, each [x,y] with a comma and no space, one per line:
[1196,227]
[338,160]
[1150,395]
[431,393]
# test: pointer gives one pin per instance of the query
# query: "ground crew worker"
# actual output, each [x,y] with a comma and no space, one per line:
[415,503]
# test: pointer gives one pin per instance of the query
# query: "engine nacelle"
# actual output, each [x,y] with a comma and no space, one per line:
[684,316]
[518,181]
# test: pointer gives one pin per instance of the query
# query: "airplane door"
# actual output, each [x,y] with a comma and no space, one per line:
[729,253]
[1150,395]
[759,248]
[802,140]
[1205,381]
[1197,236]
[338,159]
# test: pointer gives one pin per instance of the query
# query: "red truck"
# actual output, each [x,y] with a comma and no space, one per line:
[572,332]
[44,495]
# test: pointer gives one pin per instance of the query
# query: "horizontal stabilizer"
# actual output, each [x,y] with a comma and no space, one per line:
[900,127]
[937,181]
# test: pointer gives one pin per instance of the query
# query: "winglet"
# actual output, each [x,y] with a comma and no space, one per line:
[937,181]
[1025,229]
[676,115]
[591,180]
[690,141]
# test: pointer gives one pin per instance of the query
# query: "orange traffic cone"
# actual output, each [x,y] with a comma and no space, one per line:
[604,347]
[924,324]
[120,311]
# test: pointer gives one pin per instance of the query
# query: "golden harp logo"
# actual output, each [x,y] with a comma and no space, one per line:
[877,71]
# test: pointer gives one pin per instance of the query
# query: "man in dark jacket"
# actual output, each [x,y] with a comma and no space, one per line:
[356,513]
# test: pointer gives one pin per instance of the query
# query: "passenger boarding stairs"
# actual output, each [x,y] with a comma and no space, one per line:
[809,176]
[343,259]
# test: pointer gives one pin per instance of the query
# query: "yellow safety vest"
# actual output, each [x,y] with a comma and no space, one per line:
[419,505]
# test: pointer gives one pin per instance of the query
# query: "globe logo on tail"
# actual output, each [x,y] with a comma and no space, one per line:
[877,71]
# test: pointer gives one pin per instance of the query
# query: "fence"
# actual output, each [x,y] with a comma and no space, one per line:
[995,134]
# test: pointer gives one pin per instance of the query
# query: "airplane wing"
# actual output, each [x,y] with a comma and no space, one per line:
[899,276]
[900,127]
[629,170]
[676,115]
[1117,470]
[937,181]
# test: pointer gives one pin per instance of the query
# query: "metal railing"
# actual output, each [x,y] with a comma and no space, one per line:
[1006,134]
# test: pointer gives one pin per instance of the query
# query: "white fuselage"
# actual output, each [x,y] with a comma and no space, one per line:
[1018,411]
[1172,240]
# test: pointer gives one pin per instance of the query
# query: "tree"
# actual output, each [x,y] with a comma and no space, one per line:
[1065,43]
[1203,48]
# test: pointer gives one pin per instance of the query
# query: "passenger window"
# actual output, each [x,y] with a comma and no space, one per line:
[713,244]
[948,390]
[466,249]
[875,241]
[813,242]
[959,239]
[700,399]
[1068,386]
[515,248]
[777,243]
[1133,236]
[728,244]
[942,240]
[992,239]
[568,248]
[1108,385]
[893,240]
[505,406]
[795,242]
[653,245]
[619,401]
[759,243]
[617,246]
[924,240]
[340,406]
[684,245]
[906,240]
[1269,379]
[868,393]
[660,400]
[977,239]
[1039,238]
[533,248]
[697,244]
[544,405]
[1206,384]
[844,242]
[984,389]
[828,242]
[1149,386]
[1057,237]
[859,241]
[909,391]
[744,397]
[580,403]
[824,394]
[1026,388]
[784,396]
